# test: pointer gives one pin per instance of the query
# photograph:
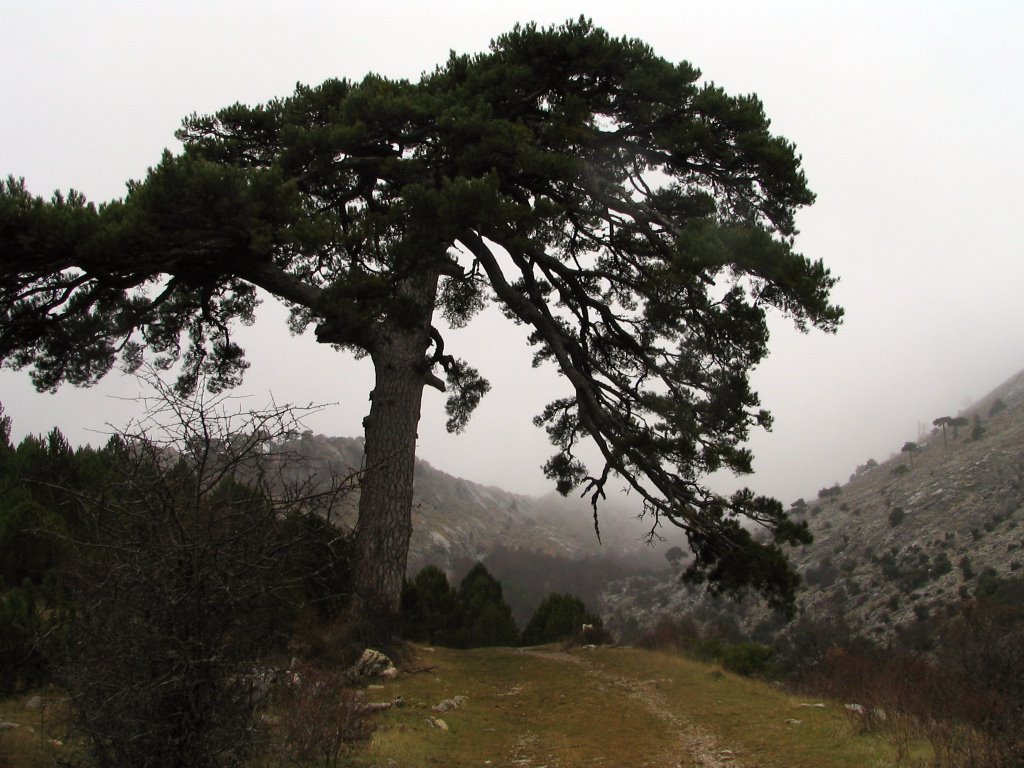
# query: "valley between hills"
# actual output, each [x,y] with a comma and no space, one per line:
[907,535]
[905,650]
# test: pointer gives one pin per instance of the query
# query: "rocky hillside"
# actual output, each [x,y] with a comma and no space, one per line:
[922,528]
[457,521]
[934,522]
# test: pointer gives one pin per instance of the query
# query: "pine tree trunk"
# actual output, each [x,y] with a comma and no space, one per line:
[384,525]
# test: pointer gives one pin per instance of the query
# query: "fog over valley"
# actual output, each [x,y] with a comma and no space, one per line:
[903,115]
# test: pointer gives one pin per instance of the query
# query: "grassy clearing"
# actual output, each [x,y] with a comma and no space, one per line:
[761,725]
[35,743]
[519,707]
[604,708]
[609,707]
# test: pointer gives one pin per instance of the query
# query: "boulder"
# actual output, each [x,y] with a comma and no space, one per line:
[370,665]
[449,704]
[437,722]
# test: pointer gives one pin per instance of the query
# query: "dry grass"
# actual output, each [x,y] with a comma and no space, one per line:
[520,709]
[759,724]
[38,741]
[609,707]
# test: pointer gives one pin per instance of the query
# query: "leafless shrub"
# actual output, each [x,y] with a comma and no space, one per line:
[671,634]
[189,572]
[966,700]
[321,722]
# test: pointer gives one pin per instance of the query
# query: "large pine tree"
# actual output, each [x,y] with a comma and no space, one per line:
[640,223]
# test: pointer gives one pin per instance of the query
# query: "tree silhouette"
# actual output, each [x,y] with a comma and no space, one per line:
[977,428]
[956,423]
[831,493]
[675,556]
[430,607]
[193,564]
[639,223]
[558,617]
[943,421]
[910,448]
[484,618]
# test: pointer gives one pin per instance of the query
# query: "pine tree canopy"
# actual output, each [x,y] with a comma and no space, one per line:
[639,222]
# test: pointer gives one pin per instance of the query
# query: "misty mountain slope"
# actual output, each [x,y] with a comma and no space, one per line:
[902,539]
[920,529]
[455,520]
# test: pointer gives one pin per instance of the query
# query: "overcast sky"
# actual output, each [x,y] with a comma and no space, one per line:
[908,116]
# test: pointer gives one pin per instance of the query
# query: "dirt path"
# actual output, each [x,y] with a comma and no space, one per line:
[694,746]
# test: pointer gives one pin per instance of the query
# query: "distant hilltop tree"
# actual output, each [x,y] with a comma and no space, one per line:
[943,422]
[910,448]
[896,516]
[956,423]
[865,467]
[833,492]
[675,556]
